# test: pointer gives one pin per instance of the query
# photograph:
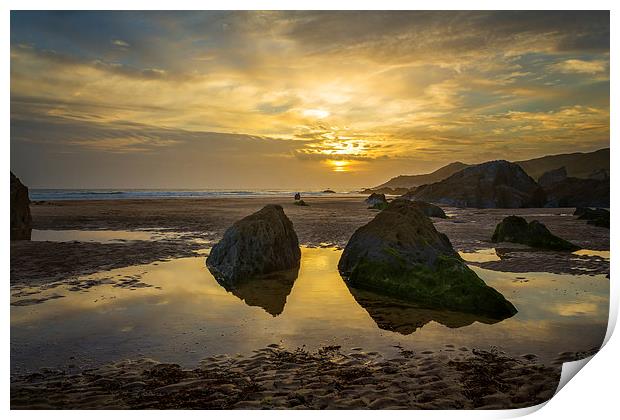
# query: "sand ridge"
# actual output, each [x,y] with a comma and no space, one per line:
[330,378]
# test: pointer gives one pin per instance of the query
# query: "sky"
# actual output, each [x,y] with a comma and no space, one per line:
[297,100]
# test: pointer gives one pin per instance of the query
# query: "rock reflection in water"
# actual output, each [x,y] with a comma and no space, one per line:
[268,292]
[405,318]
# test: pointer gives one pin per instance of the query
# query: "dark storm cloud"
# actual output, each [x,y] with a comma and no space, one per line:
[567,30]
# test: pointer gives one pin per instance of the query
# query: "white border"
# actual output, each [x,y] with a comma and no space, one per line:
[593,395]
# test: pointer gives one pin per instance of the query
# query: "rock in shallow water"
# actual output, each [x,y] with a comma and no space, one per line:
[257,245]
[535,234]
[400,253]
[596,217]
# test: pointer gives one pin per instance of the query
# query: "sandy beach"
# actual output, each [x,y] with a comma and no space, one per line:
[327,222]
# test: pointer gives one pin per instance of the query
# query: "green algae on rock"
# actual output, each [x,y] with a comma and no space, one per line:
[535,234]
[400,254]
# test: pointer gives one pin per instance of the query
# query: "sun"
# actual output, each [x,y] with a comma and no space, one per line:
[340,165]
[318,114]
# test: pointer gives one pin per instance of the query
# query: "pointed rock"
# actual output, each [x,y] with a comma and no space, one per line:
[257,245]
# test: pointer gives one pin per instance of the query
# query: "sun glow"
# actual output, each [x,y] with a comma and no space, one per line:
[340,165]
[319,114]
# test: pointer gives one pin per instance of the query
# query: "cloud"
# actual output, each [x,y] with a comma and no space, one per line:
[120,43]
[371,87]
[580,66]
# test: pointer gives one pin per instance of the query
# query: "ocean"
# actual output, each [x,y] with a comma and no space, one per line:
[116,194]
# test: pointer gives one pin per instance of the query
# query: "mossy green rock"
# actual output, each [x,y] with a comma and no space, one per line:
[535,234]
[401,254]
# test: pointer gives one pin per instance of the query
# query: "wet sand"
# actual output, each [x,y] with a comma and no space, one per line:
[327,221]
[274,377]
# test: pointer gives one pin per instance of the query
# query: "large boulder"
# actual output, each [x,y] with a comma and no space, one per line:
[496,184]
[400,254]
[257,245]
[21,220]
[535,234]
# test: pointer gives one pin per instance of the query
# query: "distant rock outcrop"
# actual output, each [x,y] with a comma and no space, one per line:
[21,220]
[411,181]
[516,229]
[257,245]
[552,177]
[596,217]
[385,190]
[496,184]
[578,165]
[593,165]
[329,191]
[600,174]
[400,254]
[577,192]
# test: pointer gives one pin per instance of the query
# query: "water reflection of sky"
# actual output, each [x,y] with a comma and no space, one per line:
[480,255]
[192,316]
[106,236]
[593,253]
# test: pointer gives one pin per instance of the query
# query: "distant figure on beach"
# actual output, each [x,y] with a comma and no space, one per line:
[297,196]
